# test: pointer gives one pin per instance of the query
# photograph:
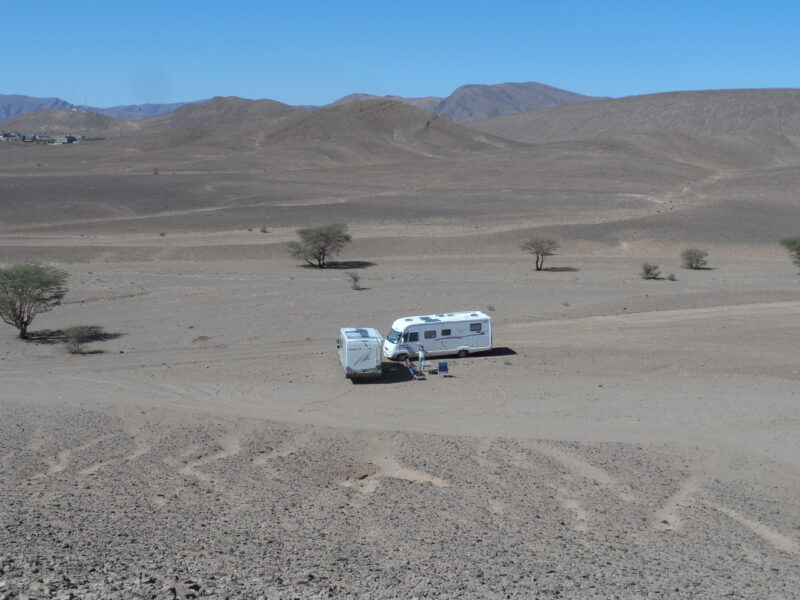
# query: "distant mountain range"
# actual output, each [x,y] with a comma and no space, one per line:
[136,112]
[528,114]
[467,103]
[14,105]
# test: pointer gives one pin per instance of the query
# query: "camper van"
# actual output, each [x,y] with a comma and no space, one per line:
[458,333]
[359,351]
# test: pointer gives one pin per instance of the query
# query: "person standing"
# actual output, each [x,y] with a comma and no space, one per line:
[422,359]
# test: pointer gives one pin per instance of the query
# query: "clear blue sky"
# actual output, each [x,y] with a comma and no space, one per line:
[312,52]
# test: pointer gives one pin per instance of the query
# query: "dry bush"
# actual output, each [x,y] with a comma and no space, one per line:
[694,258]
[792,245]
[76,337]
[651,271]
[355,278]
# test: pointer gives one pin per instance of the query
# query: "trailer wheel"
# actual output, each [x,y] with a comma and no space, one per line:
[402,357]
[463,354]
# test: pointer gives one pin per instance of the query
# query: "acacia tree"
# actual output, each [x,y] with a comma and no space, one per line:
[540,247]
[27,290]
[317,244]
[793,246]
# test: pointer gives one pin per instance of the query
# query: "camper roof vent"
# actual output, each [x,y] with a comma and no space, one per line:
[409,319]
[429,319]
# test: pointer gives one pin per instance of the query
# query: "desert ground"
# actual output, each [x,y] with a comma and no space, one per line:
[624,439]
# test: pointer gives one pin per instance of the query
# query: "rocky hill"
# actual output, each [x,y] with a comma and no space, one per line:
[217,112]
[135,112]
[13,105]
[714,112]
[473,102]
[68,122]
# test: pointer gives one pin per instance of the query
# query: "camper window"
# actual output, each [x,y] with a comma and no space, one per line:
[413,337]
[393,337]
[445,332]
[430,335]
[474,326]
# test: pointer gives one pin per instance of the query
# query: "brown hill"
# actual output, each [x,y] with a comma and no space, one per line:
[364,133]
[68,122]
[714,112]
[135,112]
[474,102]
[217,112]
[427,103]
[387,123]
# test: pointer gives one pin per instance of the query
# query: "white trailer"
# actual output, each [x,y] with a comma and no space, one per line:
[360,351]
[458,333]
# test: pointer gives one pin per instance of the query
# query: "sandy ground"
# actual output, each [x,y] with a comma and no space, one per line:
[626,438]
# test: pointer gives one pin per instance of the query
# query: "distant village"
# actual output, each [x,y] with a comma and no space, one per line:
[6,136]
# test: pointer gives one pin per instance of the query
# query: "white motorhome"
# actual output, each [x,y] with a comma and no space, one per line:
[360,351]
[447,333]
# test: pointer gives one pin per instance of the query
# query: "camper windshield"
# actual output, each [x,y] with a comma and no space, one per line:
[393,337]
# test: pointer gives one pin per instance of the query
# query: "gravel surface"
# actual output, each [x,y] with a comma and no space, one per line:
[162,504]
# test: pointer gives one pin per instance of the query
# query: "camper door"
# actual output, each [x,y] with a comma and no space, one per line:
[410,341]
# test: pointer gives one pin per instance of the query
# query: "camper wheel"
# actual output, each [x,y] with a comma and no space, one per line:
[402,357]
[462,354]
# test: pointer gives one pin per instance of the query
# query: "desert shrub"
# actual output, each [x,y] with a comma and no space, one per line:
[354,278]
[651,271]
[264,229]
[694,258]
[540,247]
[27,290]
[792,245]
[76,337]
[318,244]
[671,277]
